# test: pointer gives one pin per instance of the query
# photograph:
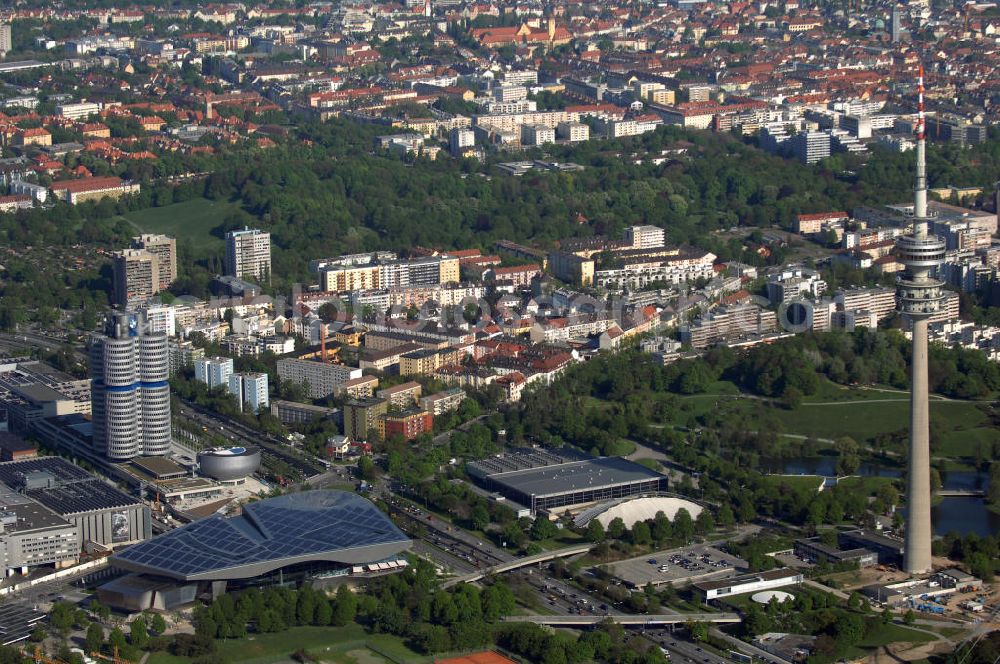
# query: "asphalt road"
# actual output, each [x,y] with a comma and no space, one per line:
[244,435]
[557,595]
[28,340]
[681,651]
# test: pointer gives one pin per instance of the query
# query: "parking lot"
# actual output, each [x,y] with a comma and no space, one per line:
[678,565]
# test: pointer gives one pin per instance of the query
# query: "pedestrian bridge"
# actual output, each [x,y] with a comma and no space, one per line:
[545,556]
[627,620]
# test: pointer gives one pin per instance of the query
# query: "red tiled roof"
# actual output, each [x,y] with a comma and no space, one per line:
[87,184]
[822,215]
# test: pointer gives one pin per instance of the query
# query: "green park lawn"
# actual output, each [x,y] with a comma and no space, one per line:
[863,421]
[193,219]
[166,658]
[959,428]
[883,635]
[967,442]
[866,485]
[797,482]
[564,539]
[343,645]
[887,634]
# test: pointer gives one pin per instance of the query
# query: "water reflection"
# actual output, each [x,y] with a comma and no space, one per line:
[962,514]
[824,465]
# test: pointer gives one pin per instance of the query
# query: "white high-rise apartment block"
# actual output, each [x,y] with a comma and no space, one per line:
[250,390]
[645,237]
[522,77]
[573,131]
[6,43]
[537,135]
[160,318]
[460,139]
[248,254]
[506,93]
[320,378]
[130,395]
[213,371]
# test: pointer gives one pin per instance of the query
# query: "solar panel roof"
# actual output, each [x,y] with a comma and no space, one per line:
[335,526]
[73,490]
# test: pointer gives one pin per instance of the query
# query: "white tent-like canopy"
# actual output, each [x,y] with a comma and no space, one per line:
[641,509]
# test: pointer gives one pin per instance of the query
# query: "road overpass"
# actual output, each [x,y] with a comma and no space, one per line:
[545,556]
[627,620]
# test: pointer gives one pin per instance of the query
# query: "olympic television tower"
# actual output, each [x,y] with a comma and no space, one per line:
[919,297]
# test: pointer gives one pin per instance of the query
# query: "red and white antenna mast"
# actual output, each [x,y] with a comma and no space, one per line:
[920,191]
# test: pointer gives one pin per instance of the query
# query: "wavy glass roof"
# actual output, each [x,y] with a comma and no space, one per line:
[334,526]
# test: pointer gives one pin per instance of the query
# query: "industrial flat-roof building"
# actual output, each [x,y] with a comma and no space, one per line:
[274,540]
[546,480]
[17,621]
[293,412]
[747,583]
[889,550]
[103,514]
[32,535]
[814,550]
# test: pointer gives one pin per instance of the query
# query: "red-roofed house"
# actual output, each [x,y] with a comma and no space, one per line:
[33,136]
[92,189]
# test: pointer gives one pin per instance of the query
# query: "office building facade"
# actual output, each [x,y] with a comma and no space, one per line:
[130,395]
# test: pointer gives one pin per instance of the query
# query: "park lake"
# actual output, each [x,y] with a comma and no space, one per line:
[961,514]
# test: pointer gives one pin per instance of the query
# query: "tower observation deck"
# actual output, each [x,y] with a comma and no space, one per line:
[919,297]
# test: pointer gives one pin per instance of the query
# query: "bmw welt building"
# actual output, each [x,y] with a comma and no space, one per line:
[277,540]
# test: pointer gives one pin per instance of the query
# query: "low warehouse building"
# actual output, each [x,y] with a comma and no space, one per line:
[747,583]
[104,515]
[816,551]
[550,480]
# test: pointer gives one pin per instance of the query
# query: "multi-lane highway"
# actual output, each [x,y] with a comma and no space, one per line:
[24,341]
[461,553]
[681,651]
[525,561]
[643,620]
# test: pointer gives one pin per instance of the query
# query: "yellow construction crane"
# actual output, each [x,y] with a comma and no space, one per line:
[114,659]
[38,657]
